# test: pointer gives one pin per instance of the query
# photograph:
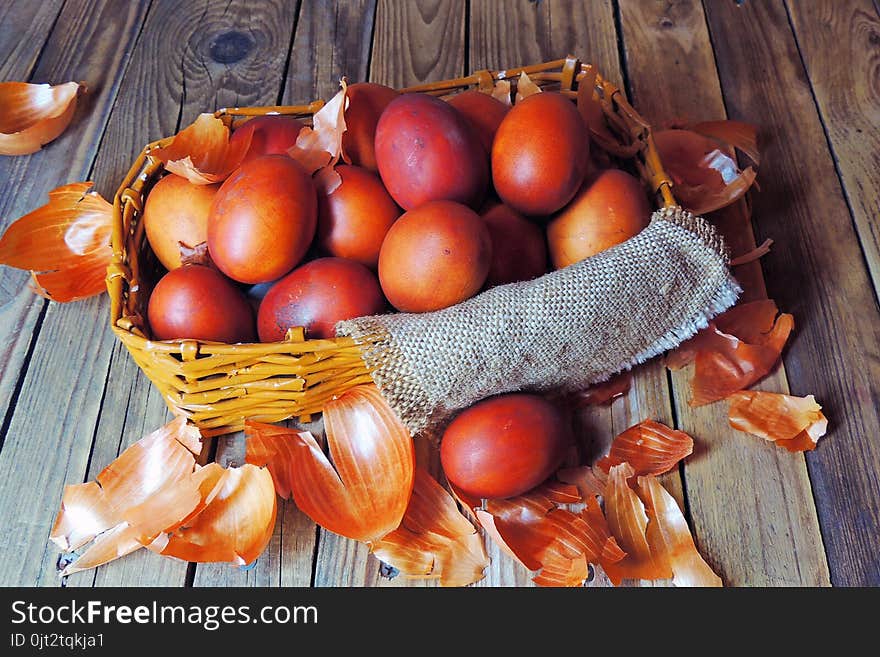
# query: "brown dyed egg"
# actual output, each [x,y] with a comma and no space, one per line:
[426,151]
[317,296]
[354,218]
[270,135]
[366,102]
[434,256]
[519,251]
[262,219]
[608,210]
[483,112]
[540,154]
[177,212]
[199,303]
[504,446]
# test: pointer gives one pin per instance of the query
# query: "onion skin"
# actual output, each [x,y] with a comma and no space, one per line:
[269,135]
[364,494]
[483,112]
[262,220]
[366,102]
[519,250]
[198,303]
[426,151]
[434,257]
[177,212]
[354,218]
[608,210]
[317,296]
[504,446]
[540,154]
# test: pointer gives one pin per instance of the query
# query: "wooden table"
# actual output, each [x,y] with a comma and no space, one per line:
[806,71]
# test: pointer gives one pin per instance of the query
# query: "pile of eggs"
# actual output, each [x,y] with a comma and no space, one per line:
[441,199]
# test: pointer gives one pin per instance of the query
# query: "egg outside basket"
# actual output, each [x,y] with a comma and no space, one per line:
[219,386]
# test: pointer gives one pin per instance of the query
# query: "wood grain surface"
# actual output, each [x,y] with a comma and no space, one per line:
[815,272]
[847,91]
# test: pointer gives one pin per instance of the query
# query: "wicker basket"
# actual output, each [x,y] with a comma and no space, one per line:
[218,386]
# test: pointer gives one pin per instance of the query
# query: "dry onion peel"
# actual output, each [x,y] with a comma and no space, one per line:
[545,537]
[34,114]
[65,243]
[434,539]
[795,423]
[649,447]
[754,254]
[670,537]
[272,446]
[525,87]
[742,136]
[590,480]
[234,527]
[166,455]
[736,350]
[501,91]
[364,493]
[628,522]
[321,145]
[202,153]
[605,393]
[705,177]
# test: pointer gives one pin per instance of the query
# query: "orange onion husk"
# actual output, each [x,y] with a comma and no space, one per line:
[163,456]
[34,114]
[272,446]
[628,522]
[434,540]
[650,447]
[65,244]
[202,152]
[738,348]
[670,538]
[320,146]
[363,494]
[705,175]
[235,526]
[547,538]
[795,423]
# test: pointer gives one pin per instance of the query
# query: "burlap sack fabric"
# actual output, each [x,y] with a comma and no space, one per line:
[566,330]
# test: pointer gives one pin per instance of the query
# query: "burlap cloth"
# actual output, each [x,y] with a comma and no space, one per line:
[566,330]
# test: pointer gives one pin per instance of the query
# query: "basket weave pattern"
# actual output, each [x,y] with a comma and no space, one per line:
[218,386]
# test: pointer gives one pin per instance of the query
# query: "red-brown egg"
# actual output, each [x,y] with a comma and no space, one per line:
[609,209]
[270,135]
[318,295]
[483,112]
[366,102]
[434,256]
[504,446]
[355,217]
[519,251]
[262,219]
[540,154]
[198,303]
[176,212]
[426,151]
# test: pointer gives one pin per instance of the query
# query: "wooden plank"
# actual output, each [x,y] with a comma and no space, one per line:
[751,504]
[529,33]
[24,28]
[50,432]
[406,51]
[846,90]
[212,56]
[816,272]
